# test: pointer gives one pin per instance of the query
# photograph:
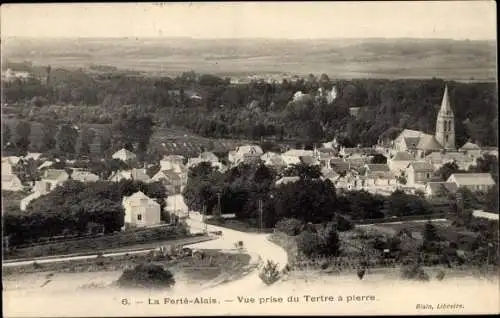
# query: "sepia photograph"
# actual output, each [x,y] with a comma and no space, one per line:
[249,158]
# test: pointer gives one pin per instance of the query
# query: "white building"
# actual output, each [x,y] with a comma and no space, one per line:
[473,181]
[245,154]
[132,174]
[11,182]
[7,167]
[33,155]
[141,211]
[84,176]
[398,163]
[471,149]
[55,177]
[293,156]
[273,159]
[485,215]
[286,180]
[419,173]
[41,188]
[438,159]
[124,155]
[440,189]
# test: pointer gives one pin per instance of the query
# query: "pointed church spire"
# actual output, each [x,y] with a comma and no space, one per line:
[445,104]
[445,123]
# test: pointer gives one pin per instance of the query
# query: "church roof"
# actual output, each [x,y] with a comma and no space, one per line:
[412,142]
[410,133]
[402,156]
[428,142]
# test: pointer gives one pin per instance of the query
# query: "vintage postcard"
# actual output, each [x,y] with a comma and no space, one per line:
[249,158]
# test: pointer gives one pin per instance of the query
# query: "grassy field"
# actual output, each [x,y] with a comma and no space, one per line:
[444,229]
[356,58]
[214,264]
[115,242]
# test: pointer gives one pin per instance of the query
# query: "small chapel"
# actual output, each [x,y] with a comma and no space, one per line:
[418,142]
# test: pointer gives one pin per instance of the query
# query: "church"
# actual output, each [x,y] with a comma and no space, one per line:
[420,143]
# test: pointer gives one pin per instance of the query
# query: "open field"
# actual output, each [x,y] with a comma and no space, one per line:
[214,263]
[128,240]
[355,58]
[444,229]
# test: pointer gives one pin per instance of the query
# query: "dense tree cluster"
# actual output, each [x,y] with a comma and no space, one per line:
[75,206]
[213,107]
[291,204]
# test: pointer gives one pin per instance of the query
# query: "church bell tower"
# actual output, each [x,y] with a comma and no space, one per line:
[445,124]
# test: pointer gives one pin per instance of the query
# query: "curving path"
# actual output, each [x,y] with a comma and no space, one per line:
[254,243]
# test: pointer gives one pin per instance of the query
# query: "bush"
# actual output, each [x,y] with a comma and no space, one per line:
[343,224]
[269,273]
[330,241]
[440,275]
[414,272]
[290,226]
[309,243]
[147,276]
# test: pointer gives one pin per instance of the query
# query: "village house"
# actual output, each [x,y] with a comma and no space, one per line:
[11,182]
[172,161]
[476,182]
[209,157]
[124,155]
[170,179]
[176,164]
[7,166]
[176,206]
[485,215]
[418,173]
[41,187]
[287,180]
[345,182]
[357,152]
[331,144]
[138,174]
[246,154]
[55,177]
[378,175]
[471,149]
[324,155]
[33,155]
[399,162]
[193,162]
[120,175]
[492,151]
[294,156]
[141,211]
[84,176]
[440,189]
[273,159]
[438,159]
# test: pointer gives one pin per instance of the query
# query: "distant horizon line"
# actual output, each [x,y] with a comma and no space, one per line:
[246,38]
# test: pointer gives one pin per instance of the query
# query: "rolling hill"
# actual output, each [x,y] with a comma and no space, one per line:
[339,58]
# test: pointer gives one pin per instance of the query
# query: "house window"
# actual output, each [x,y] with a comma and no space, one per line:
[428,175]
[139,217]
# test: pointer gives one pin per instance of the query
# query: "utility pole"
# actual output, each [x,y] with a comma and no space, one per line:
[218,203]
[204,219]
[260,215]
[459,201]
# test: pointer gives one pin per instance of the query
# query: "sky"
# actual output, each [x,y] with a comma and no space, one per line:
[474,20]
